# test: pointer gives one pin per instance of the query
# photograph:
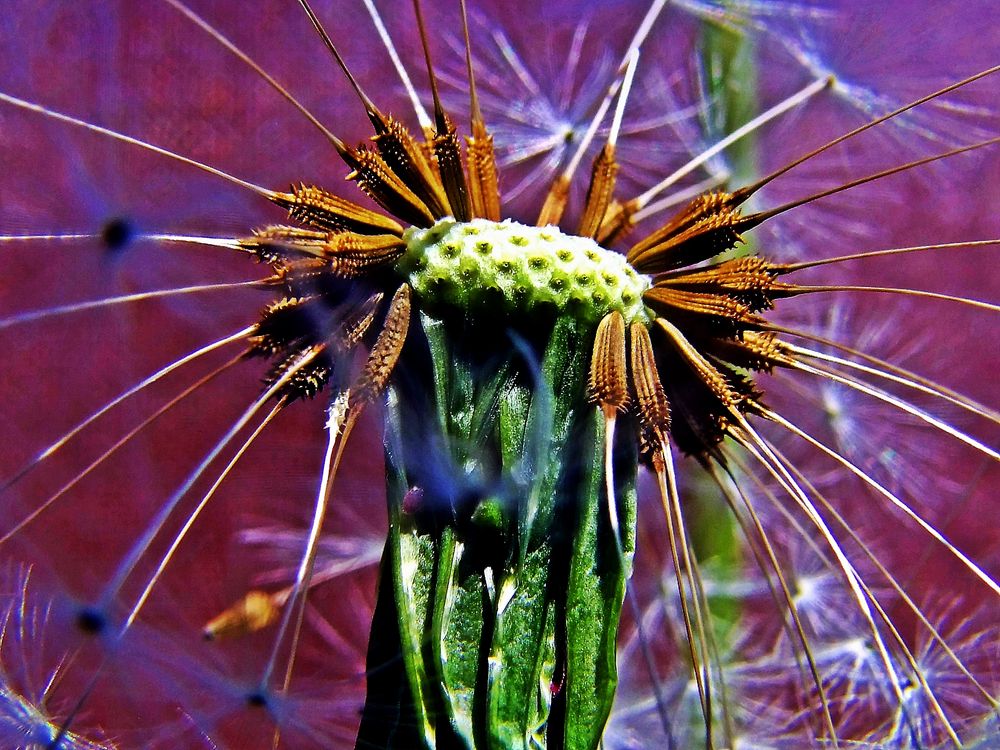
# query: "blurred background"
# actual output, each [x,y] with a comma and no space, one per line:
[142,68]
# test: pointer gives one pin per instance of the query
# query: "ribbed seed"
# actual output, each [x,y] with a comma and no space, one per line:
[253,612]
[384,186]
[654,409]
[484,192]
[281,326]
[555,202]
[409,161]
[701,303]
[600,191]
[617,222]
[755,350]
[700,241]
[360,251]
[703,369]
[356,323]
[449,159]
[319,208]
[697,209]
[385,352]
[608,377]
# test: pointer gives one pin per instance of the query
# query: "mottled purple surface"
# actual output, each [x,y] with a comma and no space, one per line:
[141,68]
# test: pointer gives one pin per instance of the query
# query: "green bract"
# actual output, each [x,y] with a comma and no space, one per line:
[465,263]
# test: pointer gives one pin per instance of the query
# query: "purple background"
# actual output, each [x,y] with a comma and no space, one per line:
[141,68]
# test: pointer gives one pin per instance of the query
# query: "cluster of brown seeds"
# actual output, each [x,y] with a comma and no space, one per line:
[340,260]
[708,334]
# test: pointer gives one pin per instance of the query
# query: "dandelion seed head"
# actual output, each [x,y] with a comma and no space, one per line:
[530,266]
[537,128]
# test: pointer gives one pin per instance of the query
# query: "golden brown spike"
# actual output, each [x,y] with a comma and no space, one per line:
[353,267]
[356,323]
[277,328]
[444,141]
[278,241]
[385,352]
[292,273]
[708,234]
[380,248]
[600,191]
[755,350]
[449,160]
[384,186]
[703,369]
[746,274]
[484,190]
[409,160]
[617,222]
[654,409]
[749,279]
[555,202]
[394,143]
[608,378]
[253,612]
[317,207]
[345,254]
[698,208]
[700,303]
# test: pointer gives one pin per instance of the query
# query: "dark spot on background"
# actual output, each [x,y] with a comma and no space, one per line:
[91,620]
[117,234]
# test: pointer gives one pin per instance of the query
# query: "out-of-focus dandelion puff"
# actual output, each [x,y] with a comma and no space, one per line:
[31,667]
[974,637]
[891,446]
[338,555]
[222,705]
[541,107]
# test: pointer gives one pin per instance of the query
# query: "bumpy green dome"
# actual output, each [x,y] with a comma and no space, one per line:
[458,262]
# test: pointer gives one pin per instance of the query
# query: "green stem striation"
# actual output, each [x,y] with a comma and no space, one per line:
[501,584]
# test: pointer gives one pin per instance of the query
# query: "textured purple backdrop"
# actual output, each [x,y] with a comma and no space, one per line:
[140,67]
